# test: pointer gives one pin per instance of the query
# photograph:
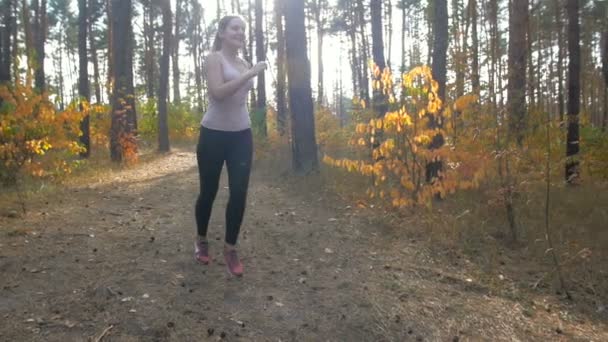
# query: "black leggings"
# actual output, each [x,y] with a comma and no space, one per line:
[236,149]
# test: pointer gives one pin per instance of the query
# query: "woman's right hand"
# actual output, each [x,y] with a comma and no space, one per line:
[258,68]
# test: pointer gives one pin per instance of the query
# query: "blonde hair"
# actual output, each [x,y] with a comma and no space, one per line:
[221,27]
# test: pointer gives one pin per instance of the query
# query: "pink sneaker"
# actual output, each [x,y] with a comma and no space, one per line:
[201,252]
[234,265]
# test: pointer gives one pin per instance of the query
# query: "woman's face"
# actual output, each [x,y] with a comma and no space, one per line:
[234,34]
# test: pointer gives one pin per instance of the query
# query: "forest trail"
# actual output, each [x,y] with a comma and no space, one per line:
[113,261]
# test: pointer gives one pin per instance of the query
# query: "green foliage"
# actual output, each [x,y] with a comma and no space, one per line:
[183,120]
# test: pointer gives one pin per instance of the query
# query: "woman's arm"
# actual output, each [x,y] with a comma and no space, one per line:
[218,88]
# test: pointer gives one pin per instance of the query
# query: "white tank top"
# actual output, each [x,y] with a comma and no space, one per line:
[229,114]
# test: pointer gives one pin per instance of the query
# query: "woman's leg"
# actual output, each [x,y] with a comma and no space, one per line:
[210,158]
[238,162]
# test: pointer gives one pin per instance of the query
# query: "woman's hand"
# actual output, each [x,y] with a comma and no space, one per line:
[258,68]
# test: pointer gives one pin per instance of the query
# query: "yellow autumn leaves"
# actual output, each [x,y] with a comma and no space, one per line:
[397,144]
[31,127]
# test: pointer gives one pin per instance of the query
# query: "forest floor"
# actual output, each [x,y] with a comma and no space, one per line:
[112,260]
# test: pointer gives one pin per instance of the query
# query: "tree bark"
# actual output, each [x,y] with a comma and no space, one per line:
[5,42]
[304,146]
[605,72]
[475,42]
[122,128]
[574,92]
[281,80]
[560,61]
[317,13]
[364,80]
[83,75]
[175,54]
[163,89]
[40,28]
[439,71]
[95,61]
[380,102]
[260,53]
[516,88]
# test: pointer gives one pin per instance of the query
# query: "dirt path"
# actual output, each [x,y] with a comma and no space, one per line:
[112,261]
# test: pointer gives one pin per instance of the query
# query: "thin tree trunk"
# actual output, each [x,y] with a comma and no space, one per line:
[439,70]
[403,27]
[516,92]
[560,60]
[83,75]
[95,61]
[364,81]
[574,91]
[163,89]
[110,48]
[281,80]
[39,42]
[5,43]
[605,72]
[260,56]
[175,55]
[475,42]
[319,25]
[355,67]
[389,24]
[254,101]
[380,103]
[150,56]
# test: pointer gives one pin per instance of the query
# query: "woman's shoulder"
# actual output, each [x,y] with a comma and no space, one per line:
[213,57]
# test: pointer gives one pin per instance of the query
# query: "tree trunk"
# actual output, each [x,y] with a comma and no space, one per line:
[122,39]
[364,81]
[219,10]
[319,24]
[560,61]
[494,46]
[260,53]
[83,75]
[605,72]
[304,146]
[403,25]
[110,48]
[281,81]
[5,43]
[29,42]
[380,102]
[440,45]
[251,39]
[175,54]
[150,55]
[574,91]
[475,42]
[516,88]
[95,61]
[40,29]
[355,66]
[530,63]
[163,89]
[460,42]
[439,70]
[195,38]
[389,25]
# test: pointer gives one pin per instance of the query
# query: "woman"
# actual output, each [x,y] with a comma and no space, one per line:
[225,137]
